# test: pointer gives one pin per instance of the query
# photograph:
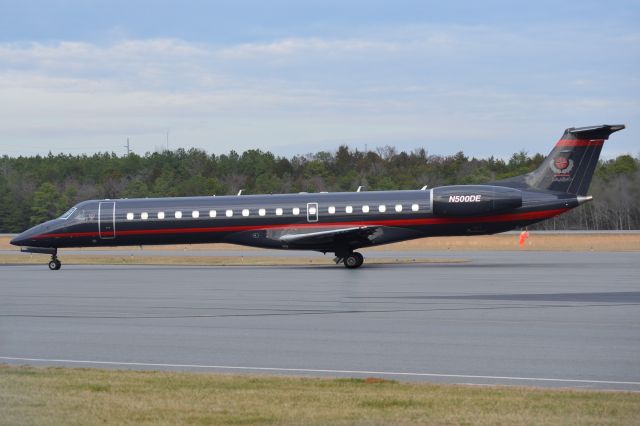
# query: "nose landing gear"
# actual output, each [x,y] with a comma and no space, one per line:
[54,263]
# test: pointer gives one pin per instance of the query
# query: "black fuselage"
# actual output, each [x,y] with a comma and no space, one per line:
[261,220]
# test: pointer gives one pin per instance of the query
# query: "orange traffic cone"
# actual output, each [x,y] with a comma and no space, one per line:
[523,237]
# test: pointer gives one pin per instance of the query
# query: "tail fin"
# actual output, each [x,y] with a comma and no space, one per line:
[570,165]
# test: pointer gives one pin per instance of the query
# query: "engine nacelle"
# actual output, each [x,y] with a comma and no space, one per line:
[474,200]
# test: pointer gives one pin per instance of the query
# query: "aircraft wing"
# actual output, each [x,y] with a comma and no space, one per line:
[351,236]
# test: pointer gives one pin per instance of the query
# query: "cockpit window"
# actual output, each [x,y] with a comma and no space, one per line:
[68,213]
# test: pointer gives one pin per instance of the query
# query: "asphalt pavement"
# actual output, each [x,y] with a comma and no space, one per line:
[515,318]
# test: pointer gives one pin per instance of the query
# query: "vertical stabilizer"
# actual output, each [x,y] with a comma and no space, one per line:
[571,164]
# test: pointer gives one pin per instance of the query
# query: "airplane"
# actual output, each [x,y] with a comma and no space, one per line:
[338,223]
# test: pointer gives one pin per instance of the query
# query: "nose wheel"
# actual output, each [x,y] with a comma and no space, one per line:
[55,264]
[353,260]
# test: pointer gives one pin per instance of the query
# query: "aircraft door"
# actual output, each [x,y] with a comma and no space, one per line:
[107,220]
[312,212]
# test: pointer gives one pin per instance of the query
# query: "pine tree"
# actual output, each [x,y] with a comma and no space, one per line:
[47,204]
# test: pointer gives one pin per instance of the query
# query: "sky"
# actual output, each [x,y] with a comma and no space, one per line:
[294,77]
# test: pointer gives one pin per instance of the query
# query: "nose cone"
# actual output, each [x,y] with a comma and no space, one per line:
[33,236]
[19,240]
[26,238]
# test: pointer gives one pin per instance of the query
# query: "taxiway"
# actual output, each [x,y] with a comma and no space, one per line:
[516,318]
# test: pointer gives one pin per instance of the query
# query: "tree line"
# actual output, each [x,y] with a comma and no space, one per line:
[37,188]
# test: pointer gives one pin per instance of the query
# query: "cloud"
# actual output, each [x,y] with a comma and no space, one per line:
[412,84]
[307,46]
[47,53]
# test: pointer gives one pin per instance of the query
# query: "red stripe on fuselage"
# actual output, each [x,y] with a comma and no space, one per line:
[511,217]
[580,142]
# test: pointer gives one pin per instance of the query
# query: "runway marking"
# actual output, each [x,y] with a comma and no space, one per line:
[318,370]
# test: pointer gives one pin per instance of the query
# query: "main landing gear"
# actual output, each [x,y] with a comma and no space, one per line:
[351,260]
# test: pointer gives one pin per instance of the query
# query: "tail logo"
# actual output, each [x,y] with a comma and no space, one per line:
[561,167]
[561,163]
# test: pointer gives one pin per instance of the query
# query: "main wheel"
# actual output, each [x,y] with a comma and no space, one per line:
[353,260]
[55,264]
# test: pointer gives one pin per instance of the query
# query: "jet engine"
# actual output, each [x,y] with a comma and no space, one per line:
[474,200]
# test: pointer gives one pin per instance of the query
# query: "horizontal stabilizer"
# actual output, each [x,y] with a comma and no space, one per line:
[594,132]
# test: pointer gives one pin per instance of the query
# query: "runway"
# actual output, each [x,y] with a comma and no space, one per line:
[554,319]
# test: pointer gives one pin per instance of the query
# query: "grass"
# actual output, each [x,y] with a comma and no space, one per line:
[52,396]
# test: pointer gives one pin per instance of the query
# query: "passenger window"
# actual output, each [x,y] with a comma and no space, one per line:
[129,216]
[160,215]
[245,212]
[262,212]
[365,209]
[178,215]
[348,209]
[229,213]
[195,214]
[144,215]
[212,213]
[296,211]
[415,207]
[331,210]
[312,210]
[398,208]
[278,211]
[382,208]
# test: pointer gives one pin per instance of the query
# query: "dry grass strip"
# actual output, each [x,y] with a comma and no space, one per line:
[537,242]
[66,396]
